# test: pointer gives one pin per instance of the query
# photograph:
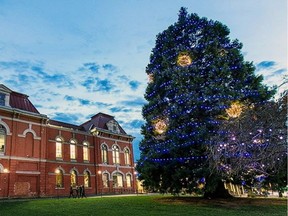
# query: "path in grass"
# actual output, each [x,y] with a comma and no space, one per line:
[145,205]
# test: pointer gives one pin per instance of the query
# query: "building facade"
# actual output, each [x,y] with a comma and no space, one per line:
[41,157]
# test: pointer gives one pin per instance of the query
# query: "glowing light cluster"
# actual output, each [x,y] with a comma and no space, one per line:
[235,110]
[160,126]
[184,59]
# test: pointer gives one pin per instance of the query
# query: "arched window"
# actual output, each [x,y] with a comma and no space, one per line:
[58,147]
[73,178]
[87,182]
[2,139]
[128,180]
[85,151]
[59,178]
[127,156]
[105,179]
[115,154]
[117,180]
[72,149]
[104,153]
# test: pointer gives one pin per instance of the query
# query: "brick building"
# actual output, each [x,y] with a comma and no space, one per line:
[43,157]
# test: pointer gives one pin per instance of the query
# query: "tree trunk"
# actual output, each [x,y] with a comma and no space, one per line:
[219,192]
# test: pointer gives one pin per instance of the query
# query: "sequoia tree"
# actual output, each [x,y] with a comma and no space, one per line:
[196,72]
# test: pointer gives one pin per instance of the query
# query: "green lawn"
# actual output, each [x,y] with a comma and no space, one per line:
[144,205]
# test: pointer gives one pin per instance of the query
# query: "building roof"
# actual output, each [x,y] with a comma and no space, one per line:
[18,100]
[66,125]
[100,120]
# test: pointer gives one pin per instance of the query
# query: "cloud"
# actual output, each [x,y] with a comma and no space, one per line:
[120,109]
[104,85]
[109,67]
[139,102]
[15,65]
[265,65]
[134,84]
[137,123]
[93,67]
[69,98]
[66,117]
[84,102]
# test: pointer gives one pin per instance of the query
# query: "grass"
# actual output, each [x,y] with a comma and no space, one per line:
[145,205]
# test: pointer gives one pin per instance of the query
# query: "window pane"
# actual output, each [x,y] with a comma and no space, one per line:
[127,157]
[2,99]
[58,149]
[73,178]
[104,154]
[128,179]
[105,179]
[115,155]
[87,179]
[119,180]
[72,151]
[59,178]
[2,141]
[85,151]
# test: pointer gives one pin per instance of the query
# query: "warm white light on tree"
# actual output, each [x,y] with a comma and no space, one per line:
[160,126]
[184,59]
[235,110]
[150,78]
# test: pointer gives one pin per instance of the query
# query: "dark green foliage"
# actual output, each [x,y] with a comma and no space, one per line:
[190,99]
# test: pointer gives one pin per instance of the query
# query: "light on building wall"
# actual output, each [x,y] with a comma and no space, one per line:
[100,185]
[5,170]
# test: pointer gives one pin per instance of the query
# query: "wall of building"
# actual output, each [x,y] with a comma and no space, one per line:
[27,168]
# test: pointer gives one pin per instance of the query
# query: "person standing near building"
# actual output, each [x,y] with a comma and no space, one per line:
[83,191]
[71,192]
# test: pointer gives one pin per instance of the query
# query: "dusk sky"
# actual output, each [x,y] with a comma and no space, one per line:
[75,58]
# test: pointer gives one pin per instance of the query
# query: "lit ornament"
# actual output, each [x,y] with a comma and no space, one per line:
[223,52]
[150,78]
[160,126]
[184,59]
[235,110]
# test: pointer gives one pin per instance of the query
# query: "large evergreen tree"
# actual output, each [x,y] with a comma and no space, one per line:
[196,72]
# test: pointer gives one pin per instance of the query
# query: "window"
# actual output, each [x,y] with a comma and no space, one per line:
[59,178]
[127,156]
[72,149]
[58,147]
[85,151]
[2,139]
[128,180]
[115,154]
[105,179]
[2,99]
[104,153]
[87,179]
[117,180]
[73,178]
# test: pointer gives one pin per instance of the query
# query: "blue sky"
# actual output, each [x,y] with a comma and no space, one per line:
[76,58]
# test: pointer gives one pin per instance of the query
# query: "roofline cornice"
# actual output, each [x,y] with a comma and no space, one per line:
[23,112]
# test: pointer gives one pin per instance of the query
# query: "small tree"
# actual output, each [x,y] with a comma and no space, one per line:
[196,72]
[253,148]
